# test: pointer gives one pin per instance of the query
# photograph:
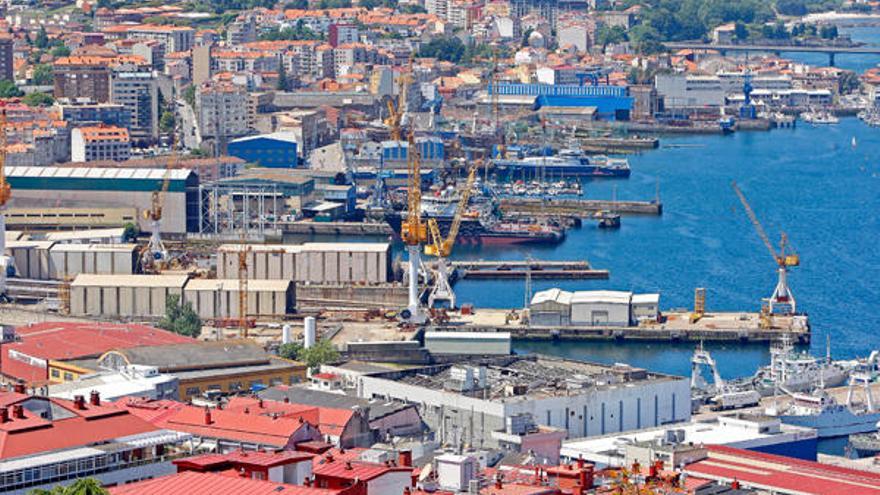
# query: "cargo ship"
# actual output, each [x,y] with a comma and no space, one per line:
[480,224]
[566,163]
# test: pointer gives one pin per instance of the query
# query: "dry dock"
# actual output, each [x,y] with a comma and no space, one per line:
[734,327]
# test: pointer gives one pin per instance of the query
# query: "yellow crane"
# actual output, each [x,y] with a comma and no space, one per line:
[782,297]
[441,247]
[243,252]
[394,121]
[5,195]
[414,232]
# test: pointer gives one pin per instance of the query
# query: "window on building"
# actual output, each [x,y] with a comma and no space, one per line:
[68,376]
[235,386]
[192,391]
[56,373]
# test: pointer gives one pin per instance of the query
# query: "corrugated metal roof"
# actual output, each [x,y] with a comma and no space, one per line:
[97,173]
[646,298]
[372,247]
[114,248]
[232,284]
[601,296]
[91,280]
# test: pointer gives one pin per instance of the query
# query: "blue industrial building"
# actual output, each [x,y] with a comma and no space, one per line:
[431,148]
[276,150]
[611,102]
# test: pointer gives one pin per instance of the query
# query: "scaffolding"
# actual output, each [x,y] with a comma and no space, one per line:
[250,209]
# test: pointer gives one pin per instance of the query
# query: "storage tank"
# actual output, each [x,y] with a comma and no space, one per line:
[310,332]
[286,337]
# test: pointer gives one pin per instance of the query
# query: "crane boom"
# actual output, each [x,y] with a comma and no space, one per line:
[442,247]
[757,223]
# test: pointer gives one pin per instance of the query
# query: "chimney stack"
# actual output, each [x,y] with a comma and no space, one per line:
[208,419]
[19,388]
[18,411]
[286,400]
[4,415]
[404,458]
[498,483]
[79,402]
[95,398]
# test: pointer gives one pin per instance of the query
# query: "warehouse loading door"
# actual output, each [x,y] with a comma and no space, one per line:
[599,318]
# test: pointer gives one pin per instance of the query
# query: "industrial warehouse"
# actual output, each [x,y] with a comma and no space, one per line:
[466,403]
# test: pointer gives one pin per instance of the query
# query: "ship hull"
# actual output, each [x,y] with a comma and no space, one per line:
[473,232]
[835,425]
[512,169]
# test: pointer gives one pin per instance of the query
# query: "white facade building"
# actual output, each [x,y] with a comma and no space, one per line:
[581,398]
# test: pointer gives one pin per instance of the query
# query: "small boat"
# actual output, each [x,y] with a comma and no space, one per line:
[818,117]
[607,219]
[854,143]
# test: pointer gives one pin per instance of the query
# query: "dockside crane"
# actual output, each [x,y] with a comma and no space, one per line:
[414,233]
[244,251]
[782,297]
[5,195]
[441,247]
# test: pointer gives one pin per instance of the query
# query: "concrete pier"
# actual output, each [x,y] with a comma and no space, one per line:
[675,327]
[578,207]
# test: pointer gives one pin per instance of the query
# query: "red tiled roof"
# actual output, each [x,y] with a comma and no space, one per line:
[782,474]
[329,421]
[241,457]
[193,483]
[337,455]
[351,470]
[62,341]
[232,425]
[33,434]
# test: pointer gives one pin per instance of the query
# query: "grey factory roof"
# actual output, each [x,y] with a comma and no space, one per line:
[92,280]
[233,285]
[531,377]
[232,370]
[197,355]
[301,395]
[97,173]
[120,248]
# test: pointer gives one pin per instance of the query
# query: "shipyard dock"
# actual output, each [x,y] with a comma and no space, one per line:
[577,207]
[673,327]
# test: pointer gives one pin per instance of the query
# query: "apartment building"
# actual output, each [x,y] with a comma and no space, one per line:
[100,143]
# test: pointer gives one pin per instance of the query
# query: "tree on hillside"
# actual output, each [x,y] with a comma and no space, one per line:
[8,89]
[180,317]
[42,75]
[321,353]
[38,99]
[290,350]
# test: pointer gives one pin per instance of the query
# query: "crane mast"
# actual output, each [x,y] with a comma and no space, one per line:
[782,297]
[414,232]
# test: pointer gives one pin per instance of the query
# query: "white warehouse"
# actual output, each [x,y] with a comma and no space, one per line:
[466,402]
[604,308]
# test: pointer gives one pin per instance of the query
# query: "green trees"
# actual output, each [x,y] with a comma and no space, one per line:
[180,317]
[166,121]
[189,95]
[84,486]
[448,49]
[38,99]
[290,351]
[322,352]
[8,89]
[610,35]
[130,232]
[42,75]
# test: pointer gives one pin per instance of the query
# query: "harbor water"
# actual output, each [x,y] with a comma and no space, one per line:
[809,182]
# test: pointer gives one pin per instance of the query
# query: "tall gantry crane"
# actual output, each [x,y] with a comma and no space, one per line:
[782,298]
[442,247]
[5,195]
[414,232]
[394,121]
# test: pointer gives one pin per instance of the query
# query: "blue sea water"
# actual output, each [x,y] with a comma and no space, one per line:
[809,182]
